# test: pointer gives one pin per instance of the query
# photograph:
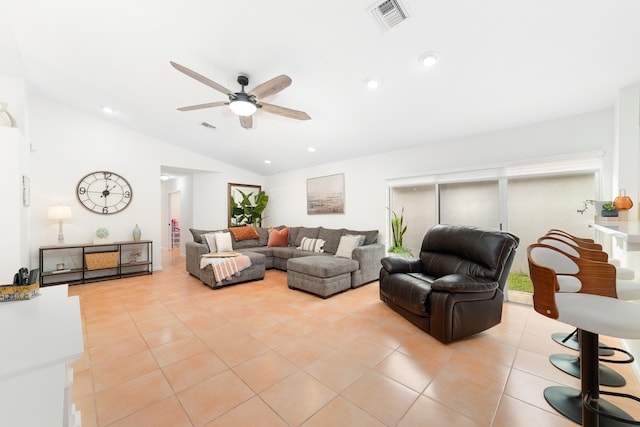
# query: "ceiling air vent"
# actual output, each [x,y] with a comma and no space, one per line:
[389,13]
[207,125]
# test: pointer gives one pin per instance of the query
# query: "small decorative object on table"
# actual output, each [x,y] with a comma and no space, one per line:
[137,234]
[135,255]
[609,211]
[623,202]
[101,237]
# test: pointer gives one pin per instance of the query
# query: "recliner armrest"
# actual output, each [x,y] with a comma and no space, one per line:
[463,283]
[401,265]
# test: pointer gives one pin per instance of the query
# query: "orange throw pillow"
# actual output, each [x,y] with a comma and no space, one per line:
[278,237]
[244,233]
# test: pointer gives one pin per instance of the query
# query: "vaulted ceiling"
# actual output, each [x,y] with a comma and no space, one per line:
[502,64]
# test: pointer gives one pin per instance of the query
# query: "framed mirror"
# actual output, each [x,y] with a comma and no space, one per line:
[243,203]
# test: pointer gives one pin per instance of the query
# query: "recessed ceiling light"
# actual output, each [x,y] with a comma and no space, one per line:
[164,177]
[428,59]
[311,150]
[372,84]
[107,110]
[268,162]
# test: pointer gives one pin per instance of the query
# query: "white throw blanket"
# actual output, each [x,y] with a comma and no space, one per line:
[226,268]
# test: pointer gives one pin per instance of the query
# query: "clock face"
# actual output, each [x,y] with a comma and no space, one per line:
[104,192]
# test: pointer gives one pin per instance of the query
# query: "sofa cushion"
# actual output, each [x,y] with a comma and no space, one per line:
[197,234]
[285,252]
[311,233]
[293,234]
[331,237]
[410,291]
[322,266]
[264,236]
[243,244]
[370,236]
[278,238]
[312,245]
[347,245]
[244,233]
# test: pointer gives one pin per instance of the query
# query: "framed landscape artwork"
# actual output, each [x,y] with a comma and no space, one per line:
[325,195]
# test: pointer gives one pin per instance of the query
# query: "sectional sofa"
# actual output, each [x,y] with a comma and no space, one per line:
[321,270]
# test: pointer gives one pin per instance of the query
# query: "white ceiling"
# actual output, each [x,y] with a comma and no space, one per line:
[503,64]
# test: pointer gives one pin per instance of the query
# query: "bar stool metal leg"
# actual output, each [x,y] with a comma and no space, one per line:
[569,401]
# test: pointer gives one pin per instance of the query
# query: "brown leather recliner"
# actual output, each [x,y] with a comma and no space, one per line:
[455,288]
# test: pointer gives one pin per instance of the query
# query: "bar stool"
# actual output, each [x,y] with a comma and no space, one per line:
[593,310]
[567,362]
[587,249]
[621,272]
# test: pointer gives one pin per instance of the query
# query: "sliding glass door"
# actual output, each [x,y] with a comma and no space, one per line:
[470,203]
[419,206]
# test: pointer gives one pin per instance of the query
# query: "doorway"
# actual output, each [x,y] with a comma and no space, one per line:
[174,222]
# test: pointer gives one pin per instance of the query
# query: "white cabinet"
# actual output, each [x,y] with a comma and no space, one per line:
[40,339]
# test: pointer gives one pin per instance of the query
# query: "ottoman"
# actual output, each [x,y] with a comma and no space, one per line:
[320,275]
[255,272]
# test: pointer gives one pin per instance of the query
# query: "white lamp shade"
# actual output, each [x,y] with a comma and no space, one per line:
[242,108]
[59,212]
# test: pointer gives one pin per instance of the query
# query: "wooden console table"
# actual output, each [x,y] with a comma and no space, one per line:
[76,271]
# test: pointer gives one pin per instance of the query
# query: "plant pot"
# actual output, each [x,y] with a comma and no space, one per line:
[609,214]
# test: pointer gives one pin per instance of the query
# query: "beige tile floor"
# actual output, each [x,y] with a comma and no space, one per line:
[166,350]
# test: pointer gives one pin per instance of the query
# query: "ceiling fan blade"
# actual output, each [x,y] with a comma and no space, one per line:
[246,121]
[282,111]
[271,87]
[201,78]
[201,106]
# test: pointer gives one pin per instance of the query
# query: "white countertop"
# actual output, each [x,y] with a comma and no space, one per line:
[629,231]
[39,332]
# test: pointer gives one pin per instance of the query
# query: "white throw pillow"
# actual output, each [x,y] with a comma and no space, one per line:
[347,245]
[312,245]
[210,238]
[361,238]
[223,242]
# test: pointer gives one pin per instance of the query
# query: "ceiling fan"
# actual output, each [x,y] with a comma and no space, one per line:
[244,104]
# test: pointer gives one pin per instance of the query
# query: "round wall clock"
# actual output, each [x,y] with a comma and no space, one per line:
[104,192]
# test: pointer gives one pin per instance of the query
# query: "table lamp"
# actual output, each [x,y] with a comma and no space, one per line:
[59,212]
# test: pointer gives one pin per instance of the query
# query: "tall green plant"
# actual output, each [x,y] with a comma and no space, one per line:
[249,210]
[398,229]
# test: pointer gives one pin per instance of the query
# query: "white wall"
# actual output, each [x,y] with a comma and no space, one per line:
[365,178]
[70,144]
[14,164]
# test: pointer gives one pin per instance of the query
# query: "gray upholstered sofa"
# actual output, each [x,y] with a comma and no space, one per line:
[263,257]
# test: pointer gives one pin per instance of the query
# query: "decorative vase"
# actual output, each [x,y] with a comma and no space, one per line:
[623,202]
[136,233]
[6,119]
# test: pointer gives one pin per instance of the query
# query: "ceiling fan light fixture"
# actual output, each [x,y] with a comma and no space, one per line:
[242,108]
